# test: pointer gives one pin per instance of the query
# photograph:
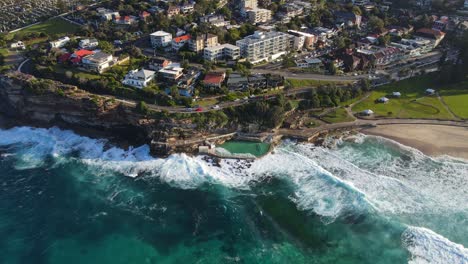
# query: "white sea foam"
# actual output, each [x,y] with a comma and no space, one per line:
[428,247]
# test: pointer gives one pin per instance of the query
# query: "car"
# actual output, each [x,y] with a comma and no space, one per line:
[199,109]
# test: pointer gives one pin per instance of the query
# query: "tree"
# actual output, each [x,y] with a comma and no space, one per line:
[142,108]
[376,24]
[106,46]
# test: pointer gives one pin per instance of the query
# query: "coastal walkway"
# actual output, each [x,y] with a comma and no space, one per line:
[308,134]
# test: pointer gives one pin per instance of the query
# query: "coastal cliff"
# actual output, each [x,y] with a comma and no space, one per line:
[44,103]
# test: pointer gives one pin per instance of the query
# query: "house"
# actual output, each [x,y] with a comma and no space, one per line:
[77,56]
[214,79]
[160,39]
[109,15]
[179,42]
[172,11]
[144,15]
[303,39]
[237,82]
[88,44]
[383,100]
[98,62]
[17,45]
[187,8]
[125,20]
[309,62]
[430,91]
[367,112]
[138,78]
[257,81]
[59,43]
[158,63]
[214,20]
[171,72]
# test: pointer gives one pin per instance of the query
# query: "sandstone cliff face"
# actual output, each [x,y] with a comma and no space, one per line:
[69,107]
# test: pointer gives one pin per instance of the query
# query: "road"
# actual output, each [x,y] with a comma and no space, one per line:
[309,76]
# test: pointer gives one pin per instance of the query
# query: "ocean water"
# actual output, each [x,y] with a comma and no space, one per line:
[71,199]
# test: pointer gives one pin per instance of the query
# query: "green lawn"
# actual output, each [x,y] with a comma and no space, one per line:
[456,98]
[54,26]
[406,106]
[296,83]
[77,73]
[338,116]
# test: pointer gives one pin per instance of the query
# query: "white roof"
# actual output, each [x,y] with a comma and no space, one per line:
[430,90]
[383,99]
[396,93]
[368,112]
[160,33]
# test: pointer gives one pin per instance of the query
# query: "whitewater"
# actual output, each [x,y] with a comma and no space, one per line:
[424,199]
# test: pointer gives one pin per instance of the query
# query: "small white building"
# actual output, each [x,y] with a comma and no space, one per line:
[160,39]
[430,91]
[138,78]
[18,45]
[383,100]
[88,43]
[59,43]
[367,112]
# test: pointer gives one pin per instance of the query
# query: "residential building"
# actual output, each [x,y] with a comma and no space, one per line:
[157,64]
[309,62]
[258,15]
[179,42]
[382,56]
[138,78]
[224,51]
[160,39]
[214,79]
[215,20]
[88,43]
[237,82]
[109,15]
[204,41]
[125,20]
[59,43]
[172,72]
[187,8]
[172,11]
[465,4]
[305,40]
[98,62]
[263,46]
[144,15]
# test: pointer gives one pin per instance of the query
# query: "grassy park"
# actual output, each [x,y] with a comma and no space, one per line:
[53,26]
[456,98]
[337,116]
[414,103]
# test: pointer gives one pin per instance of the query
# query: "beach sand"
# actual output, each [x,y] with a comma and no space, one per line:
[434,140]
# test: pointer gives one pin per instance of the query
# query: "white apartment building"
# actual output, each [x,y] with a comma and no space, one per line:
[221,52]
[59,43]
[138,78]
[258,15]
[160,39]
[172,72]
[263,46]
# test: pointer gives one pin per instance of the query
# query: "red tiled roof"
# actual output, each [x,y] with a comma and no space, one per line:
[144,14]
[214,78]
[82,53]
[182,38]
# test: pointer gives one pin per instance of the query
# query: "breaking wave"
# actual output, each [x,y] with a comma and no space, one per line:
[367,175]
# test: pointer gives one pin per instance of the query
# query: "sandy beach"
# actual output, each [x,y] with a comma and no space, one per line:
[434,140]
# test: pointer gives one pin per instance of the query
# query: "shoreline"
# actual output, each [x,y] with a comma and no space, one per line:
[432,140]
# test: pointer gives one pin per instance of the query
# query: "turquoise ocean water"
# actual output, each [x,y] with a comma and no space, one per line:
[71,199]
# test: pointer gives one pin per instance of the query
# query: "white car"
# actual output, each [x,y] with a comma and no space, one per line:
[215,107]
